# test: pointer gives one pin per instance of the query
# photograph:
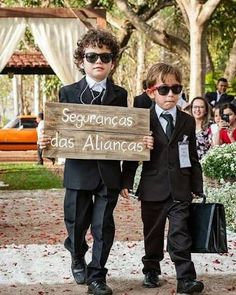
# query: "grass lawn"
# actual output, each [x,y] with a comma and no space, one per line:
[25,176]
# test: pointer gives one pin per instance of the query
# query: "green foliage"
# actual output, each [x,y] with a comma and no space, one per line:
[220,162]
[221,33]
[5,98]
[211,80]
[225,194]
[232,88]
[27,177]
[51,87]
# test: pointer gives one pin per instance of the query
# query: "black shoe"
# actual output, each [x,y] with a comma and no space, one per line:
[99,288]
[151,279]
[78,268]
[188,286]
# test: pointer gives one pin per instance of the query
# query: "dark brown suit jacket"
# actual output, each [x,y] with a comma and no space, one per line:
[86,174]
[162,176]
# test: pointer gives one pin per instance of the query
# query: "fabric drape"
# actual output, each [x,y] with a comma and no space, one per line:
[11,32]
[57,40]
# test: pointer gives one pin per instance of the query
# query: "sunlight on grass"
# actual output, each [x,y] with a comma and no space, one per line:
[25,176]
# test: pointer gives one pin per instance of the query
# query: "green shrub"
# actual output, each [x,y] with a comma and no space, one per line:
[220,162]
[225,194]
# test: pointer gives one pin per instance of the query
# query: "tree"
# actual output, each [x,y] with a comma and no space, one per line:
[230,70]
[197,14]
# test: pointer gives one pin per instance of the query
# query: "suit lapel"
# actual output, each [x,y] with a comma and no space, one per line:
[180,121]
[158,130]
[109,94]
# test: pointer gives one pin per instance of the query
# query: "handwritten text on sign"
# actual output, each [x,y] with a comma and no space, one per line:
[96,132]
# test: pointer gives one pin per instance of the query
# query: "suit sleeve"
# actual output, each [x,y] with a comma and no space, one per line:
[128,173]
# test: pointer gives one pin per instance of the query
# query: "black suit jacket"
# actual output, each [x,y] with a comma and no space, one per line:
[86,174]
[162,175]
[142,101]
[211,97]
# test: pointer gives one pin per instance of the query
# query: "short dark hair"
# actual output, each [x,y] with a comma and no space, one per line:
[40,116]
[230,106]
[96,38]
[144,84]
[222,80]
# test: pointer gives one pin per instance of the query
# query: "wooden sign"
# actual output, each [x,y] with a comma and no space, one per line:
[96,132]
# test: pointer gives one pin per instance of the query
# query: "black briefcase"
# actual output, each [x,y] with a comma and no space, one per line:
[207,227]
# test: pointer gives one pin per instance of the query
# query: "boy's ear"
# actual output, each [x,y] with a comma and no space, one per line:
[150,93]
[112,66]
[81,66]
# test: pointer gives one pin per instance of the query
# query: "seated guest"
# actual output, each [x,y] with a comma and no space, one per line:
[227,131]
[216,125]
[220,96]
[202,113]
[143,100]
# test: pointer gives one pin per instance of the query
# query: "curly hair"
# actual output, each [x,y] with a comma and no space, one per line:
[96,38]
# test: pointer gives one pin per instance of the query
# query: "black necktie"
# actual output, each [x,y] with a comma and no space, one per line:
[170,125]
[97,97]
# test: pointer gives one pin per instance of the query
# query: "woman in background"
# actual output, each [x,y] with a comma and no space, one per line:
[227,131]
[202,113]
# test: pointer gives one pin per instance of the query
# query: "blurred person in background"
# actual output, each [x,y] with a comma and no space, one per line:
[202,113]
[220,96]
[40,129]
[227,132]
[143,100]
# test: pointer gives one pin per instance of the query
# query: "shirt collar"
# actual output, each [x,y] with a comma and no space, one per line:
[159,111]
[94,85]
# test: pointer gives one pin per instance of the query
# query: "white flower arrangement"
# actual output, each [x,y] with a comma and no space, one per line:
[225,194]
[220,162]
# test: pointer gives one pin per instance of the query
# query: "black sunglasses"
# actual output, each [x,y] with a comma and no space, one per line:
[164,89]
[92,57]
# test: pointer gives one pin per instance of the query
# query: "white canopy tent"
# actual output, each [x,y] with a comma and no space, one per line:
[55,31]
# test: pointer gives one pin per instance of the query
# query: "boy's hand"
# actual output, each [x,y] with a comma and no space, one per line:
[125,193]
[148,141]
[44,140]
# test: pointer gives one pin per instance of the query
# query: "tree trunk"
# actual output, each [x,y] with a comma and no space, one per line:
[17,95]
[230,70]
[36,93]
[198,13]
[140,62]
[196,80]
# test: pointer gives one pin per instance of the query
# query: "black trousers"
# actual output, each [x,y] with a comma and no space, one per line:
[91,208]
[40,155]
[154,216]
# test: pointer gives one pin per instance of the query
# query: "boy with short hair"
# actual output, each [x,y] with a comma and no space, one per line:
[168,181]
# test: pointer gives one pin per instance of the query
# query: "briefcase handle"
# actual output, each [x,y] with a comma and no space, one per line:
[201,196]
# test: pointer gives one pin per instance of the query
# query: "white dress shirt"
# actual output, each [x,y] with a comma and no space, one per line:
[163,121]
[96,86]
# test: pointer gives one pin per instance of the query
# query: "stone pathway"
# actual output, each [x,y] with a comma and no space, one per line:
[34,261]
